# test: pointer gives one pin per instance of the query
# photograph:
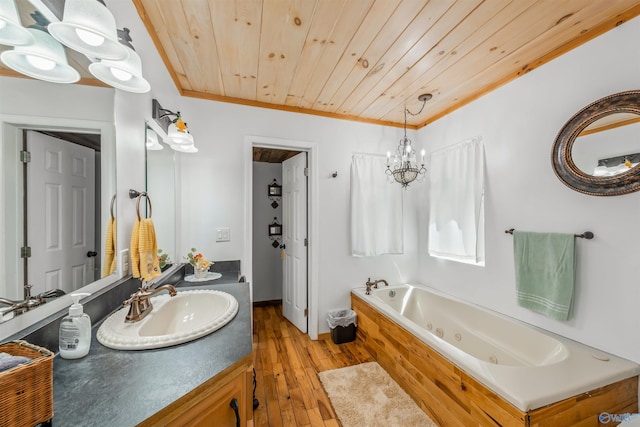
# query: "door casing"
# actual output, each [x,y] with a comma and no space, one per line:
[311,148]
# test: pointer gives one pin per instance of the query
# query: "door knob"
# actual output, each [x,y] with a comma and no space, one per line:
[92,254]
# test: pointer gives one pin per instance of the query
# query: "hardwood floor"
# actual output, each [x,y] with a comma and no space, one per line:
[287,363]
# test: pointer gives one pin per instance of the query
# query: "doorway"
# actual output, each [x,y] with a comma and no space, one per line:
[272,147]
[280,231]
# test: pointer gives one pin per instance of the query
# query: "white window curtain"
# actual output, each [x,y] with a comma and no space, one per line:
[456,212]
[376,208]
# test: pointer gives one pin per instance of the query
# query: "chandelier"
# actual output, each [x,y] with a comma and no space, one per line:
[403,167]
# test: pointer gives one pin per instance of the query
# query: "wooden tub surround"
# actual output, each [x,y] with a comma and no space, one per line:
[451,397]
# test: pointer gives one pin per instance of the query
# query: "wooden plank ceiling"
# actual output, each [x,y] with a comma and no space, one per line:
[360,59]
[364,59]
[272,155]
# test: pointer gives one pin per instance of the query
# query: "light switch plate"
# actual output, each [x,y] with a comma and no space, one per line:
[223,234]
[123,265]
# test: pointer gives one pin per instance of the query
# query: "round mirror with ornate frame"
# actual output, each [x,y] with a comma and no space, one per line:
[613,112]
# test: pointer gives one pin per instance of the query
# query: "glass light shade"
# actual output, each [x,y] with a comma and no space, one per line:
[44,59]
[89,27]
[125,74]
[185,148]
[177,137]
[152,141]
[12,32]
[403,166]
[601,171]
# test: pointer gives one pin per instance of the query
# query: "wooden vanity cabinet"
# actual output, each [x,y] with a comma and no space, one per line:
[211,403]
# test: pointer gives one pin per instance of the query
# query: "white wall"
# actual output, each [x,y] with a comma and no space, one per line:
[267,263]
[519,123]
[212,190]
[219,130]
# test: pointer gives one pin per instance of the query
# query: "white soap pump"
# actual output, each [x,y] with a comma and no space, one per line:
[75,331]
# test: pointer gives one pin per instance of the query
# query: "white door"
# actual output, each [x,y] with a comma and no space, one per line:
[294,225]
[60,213]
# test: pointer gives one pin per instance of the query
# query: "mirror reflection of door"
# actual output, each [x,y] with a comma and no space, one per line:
[609,146]
[60,214]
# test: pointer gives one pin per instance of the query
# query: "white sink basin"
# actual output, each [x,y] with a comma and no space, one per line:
[174,320]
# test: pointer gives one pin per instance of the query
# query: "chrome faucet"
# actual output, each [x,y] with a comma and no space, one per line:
[140,302]
[373,284]
[20,306]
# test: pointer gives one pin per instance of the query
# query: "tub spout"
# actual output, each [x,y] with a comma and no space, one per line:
[374,284]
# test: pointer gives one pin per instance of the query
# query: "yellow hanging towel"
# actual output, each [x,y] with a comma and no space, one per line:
[133,250]
[110,249]
[148,247]
[144,250]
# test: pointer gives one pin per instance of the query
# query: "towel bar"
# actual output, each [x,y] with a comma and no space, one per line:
[586,235]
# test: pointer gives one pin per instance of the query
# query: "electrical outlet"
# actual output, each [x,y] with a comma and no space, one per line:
[223,234]
[124,262]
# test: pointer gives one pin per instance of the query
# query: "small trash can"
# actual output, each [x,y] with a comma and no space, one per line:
[343,325]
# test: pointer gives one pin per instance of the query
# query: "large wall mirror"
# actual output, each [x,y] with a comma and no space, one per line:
[598,149]
[60,200]
[161,188]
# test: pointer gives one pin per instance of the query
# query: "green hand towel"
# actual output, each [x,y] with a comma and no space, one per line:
[545,272]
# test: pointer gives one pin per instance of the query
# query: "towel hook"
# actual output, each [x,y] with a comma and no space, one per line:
[146,196]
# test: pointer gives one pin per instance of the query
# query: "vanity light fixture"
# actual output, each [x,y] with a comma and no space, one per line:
[125,74]
[44,59]
[12,32]
[403,167]
[152,141]
[613,166]
[185,148]
[88,27]
[178,135]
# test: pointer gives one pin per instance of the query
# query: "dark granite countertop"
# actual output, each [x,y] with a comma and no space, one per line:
[123,388]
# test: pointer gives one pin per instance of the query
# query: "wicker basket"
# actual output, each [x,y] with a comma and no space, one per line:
[26,391]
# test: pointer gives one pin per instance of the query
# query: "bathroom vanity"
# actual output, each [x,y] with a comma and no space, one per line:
[196,383]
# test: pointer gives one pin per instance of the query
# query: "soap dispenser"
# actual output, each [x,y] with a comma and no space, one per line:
[75,331]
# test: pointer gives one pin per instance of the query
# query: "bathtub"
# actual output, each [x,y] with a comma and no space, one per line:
[526,366]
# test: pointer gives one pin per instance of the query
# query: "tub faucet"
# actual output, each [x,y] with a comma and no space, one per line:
[373,284]
[140,302]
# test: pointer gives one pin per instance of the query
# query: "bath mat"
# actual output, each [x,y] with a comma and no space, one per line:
[365,395]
